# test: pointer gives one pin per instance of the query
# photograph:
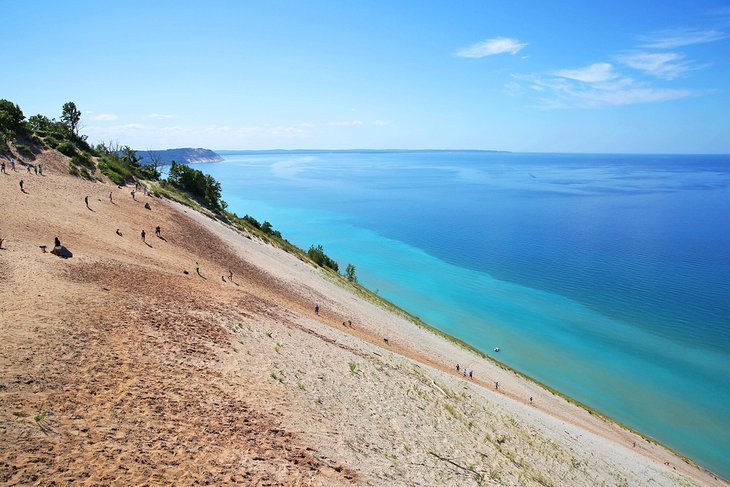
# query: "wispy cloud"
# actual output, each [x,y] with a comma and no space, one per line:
[381,122]
[491,47]
[590,74]
[345,123]
[665,65]
[105,117]
[594,88]
[670,39]
[159,116]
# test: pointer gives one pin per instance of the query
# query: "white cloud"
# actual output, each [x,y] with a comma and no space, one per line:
[595,73]
[666,65]
[103,117]
[490,47]
[159,116]
[345,123]
[669,39]
[381,122]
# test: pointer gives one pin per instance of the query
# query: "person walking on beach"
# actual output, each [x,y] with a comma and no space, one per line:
[457,367]
[12,164]
[157,231]
[316,309]
[2,167]
[40,169]
[110,197]
[230,275]
[471,374]
[119,232]
[197,268]
[496,385]
[531,404]
[86,200]
[132,193]
[35,168]
[29,166]
[143,234]
[21,186]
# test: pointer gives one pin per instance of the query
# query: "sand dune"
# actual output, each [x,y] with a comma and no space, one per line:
[119,368]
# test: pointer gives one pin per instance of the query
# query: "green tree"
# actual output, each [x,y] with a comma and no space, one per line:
[70,115]
[11,120]
[350,273]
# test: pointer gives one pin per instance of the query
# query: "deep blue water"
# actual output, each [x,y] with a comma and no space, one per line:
[605,276]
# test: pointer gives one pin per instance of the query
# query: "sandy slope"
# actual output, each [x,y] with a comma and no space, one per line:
[116,367]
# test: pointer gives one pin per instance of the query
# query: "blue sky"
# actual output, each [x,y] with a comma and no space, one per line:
[558,76]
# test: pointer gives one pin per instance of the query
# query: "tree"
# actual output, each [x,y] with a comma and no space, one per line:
[70,115]
[350,273]
[11,120]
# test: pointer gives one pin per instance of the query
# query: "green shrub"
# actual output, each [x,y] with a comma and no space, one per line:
[83,160]
[66,148]
[24,150]
[52,141]
[320,258]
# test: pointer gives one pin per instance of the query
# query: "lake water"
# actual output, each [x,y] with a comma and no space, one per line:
[606,277]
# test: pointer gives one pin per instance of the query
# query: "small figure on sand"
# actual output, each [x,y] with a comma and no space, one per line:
[56,247]
[197,268]
[223,278]
[40,169]
[86,200]
[147,206]
[1,242]
[119,232]
[530,399]
[464,372]
[158,231]
[2,167]
[471,374]
[132,193]
[457,367]
[110,197]
[22,189]
[230,275]
[12,164]
[29,166]
[36,169]
[496,385]
[316,309]
[143,234]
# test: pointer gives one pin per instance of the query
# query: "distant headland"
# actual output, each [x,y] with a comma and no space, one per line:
[185,155]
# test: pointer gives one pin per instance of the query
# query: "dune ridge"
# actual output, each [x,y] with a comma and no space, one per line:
[120,368]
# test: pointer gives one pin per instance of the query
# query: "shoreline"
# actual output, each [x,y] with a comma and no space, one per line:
[121,364]
[614,430]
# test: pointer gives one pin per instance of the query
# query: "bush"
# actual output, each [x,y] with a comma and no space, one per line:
[67,148]
[52,141]
[350,273]
[84,161]
[203,186]
[24,150]
[320,258]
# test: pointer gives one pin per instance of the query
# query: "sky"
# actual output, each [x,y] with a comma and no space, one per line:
[625,76]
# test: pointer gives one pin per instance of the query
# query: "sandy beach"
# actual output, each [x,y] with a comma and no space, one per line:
[122,366]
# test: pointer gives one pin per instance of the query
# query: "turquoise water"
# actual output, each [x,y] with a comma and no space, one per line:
[606,277]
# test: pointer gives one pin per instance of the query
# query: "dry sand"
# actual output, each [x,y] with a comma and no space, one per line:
[117,368]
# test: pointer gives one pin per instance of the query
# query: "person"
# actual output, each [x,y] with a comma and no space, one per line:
[157,231]
[197,268]
[132,193]
[29,166]
[2,167]
[530,399]
[86,200]
[1,242]
[12,164]
[457,367]
[36,169]
[147,206]
[143,235]
[471,374]
[464,372]
[316,309]
[56,247]
[119,232]
[223,278]
[40,169]
[21,186]
[110,197]
[230,275]
[496,385]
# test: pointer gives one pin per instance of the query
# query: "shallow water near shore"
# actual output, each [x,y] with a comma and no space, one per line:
[606,277]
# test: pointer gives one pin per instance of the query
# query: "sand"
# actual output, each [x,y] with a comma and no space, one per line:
[117,368]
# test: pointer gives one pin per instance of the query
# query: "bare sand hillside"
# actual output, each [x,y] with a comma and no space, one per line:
[121,366]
